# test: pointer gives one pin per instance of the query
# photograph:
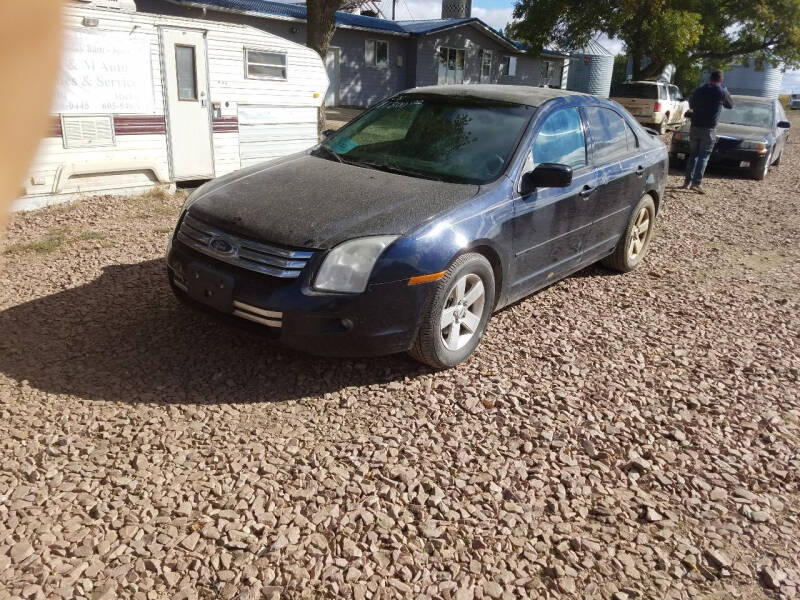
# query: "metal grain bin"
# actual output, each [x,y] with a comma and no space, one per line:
[456,9]
[590,70]
[755,79]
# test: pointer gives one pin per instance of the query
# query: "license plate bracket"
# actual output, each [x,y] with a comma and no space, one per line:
[210,287]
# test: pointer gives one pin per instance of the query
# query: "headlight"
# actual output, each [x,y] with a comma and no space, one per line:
[348,266]
[761,146]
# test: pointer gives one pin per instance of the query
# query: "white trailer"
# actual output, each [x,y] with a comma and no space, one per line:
[147,99]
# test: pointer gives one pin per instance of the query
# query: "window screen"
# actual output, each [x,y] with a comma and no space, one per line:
[510,66]
[262,64]
[560,140]
[609,134]
[376,53]
[186,73]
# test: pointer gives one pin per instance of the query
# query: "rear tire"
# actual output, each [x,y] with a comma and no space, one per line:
[635,241]
[456,317]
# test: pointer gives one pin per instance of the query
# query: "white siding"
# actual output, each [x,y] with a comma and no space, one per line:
[267,132]
[127,163]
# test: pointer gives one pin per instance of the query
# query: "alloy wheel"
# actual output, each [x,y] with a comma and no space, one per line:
[639,234]
[462,312]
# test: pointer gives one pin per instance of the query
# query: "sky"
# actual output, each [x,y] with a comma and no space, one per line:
[498,12]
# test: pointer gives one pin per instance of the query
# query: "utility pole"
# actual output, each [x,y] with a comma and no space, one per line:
[394,5]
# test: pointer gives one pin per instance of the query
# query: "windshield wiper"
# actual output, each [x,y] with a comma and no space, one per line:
[391,168]
[330,152]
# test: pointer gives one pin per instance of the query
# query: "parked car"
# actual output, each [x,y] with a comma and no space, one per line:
[407,228]
[794,101]
[750,136]
[652,103]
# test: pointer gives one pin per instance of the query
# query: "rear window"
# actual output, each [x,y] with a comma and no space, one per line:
[635,90]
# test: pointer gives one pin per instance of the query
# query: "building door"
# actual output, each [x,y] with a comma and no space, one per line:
[332,67]
[486,66]
[188,112]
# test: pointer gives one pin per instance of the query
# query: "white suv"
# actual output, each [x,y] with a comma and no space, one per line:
[653,103]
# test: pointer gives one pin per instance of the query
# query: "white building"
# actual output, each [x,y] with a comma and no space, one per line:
[147,99]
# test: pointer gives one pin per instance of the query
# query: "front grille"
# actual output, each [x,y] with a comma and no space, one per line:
[271,260]
[270,318]
[727,143]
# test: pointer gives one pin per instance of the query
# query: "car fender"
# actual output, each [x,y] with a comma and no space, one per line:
[484,222]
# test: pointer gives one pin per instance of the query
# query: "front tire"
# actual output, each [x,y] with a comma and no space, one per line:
[759,173]
[456,317]
[635,242]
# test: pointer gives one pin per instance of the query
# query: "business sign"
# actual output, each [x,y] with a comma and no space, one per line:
[105,72]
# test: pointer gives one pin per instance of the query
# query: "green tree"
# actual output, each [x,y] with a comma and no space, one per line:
[620,69]
[682,32]
[321,21]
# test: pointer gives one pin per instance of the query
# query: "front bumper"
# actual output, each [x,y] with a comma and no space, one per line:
[724,157]
[382,320]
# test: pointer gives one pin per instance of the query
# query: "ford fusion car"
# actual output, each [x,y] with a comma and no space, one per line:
[750,136]
[407,228]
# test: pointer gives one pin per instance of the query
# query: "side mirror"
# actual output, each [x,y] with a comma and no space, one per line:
[544,176]
[688,114]
[328,133]
[784,124]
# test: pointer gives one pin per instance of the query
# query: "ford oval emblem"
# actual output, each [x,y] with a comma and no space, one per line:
[221,246]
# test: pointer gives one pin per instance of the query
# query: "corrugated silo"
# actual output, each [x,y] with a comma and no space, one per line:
[755,79]
[590,70]
[456,9]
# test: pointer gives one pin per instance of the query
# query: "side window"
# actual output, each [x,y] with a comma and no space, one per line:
[561,140]
[662,92]
[633,142]
[609,133]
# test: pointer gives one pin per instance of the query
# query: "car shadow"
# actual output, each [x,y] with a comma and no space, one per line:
[124,337]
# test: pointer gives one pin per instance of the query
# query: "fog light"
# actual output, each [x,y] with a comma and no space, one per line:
[347,324]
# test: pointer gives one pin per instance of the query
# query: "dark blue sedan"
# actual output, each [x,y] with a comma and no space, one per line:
[407,228]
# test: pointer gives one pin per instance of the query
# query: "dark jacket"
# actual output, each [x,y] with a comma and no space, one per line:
[706,104]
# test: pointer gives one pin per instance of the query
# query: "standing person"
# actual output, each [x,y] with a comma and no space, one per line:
[706,103]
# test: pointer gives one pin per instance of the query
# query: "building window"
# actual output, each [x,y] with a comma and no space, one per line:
[451,65]
[486,66]
[376,53]
[264,64]
[186,72]
[510,66]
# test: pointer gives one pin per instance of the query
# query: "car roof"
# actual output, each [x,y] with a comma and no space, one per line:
[520,94]
[757,99]
[649,82]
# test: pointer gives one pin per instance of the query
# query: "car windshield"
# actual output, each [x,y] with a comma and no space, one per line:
[463,140]
[754,114]
[635,90]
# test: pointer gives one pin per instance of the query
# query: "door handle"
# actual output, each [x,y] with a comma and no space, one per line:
[586,191]
[639,171]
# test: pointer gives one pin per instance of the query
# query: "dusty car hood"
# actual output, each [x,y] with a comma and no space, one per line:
[738,131]
[310,202]
[742,131]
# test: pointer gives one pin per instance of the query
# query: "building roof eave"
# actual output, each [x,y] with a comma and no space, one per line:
[274,17]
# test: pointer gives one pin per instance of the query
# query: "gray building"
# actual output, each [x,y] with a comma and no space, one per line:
[372,58]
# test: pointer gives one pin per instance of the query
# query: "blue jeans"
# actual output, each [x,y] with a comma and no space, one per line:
[701,144]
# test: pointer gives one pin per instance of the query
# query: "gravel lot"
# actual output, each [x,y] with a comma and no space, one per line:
[616,436]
